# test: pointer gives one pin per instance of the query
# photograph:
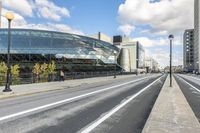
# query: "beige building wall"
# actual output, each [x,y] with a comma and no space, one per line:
[125,59]
[101,37]
[133,55]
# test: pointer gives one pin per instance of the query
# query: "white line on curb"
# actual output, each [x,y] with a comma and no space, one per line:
[114,110]
[189,84]
[66,100]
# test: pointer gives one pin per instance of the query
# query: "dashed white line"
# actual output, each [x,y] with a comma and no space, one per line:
[114,110]
[66,100]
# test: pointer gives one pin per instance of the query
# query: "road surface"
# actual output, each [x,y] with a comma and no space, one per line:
[190,87]
[120,106]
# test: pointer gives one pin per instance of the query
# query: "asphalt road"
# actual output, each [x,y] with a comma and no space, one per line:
[190,87]
[120,106]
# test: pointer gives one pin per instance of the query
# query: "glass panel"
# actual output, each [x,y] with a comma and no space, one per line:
[26,41]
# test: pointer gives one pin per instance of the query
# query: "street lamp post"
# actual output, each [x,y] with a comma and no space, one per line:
[197,71]
[9,17]
[171,37]
[137,66]
[115,54]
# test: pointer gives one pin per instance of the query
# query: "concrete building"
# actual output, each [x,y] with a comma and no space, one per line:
[132,57]
[188,50]
[102,37]
[196,35]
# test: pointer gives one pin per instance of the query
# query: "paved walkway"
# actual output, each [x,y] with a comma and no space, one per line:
[28,89]
[171,113]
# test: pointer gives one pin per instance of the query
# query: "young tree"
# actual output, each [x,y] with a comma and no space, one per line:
[51,70]
[15,70]
[3,68]
[3,71]
[15,73]
[44,70]
[36,70]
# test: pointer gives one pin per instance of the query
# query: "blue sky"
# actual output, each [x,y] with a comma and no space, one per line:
[147,21]
[90,16]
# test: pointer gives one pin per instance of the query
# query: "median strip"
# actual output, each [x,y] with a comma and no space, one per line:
[171,112]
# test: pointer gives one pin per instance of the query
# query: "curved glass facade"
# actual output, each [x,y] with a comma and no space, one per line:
[26,41]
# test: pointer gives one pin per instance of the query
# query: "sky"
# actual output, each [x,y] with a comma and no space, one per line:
[147,21]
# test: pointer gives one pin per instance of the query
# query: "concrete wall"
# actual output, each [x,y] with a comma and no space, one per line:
[133,55]
[125,59]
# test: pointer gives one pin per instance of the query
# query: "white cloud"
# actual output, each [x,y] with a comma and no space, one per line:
[18,19]
[154,48]
[160,41]
[162,56]
[126,29]
[162,18]
[49,10]
[147,42]
[22,6]
[53,27]
[42,8]
[20,22]
[165,16]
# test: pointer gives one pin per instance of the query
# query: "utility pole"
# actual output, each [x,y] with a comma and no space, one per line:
[171,37]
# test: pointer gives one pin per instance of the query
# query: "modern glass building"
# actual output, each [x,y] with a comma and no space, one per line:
[30,46]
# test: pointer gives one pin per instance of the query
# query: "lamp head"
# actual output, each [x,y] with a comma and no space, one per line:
[115,52]
[9,16]
[171,37]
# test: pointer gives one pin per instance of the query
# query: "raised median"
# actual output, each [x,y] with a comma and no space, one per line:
[171,113]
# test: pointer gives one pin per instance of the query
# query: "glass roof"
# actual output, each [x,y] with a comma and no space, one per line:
[28,41]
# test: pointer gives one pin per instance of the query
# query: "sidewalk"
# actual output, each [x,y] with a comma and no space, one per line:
[171,113]
[19,90]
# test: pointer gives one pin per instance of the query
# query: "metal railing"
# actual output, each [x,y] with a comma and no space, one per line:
[28,78]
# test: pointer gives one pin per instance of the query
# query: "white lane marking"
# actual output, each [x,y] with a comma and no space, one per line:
[114,110]
[189,84]
[190,77]
[67,100]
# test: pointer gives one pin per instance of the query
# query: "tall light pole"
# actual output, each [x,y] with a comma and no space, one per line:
[115,56]
[9,17]
[171,37]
